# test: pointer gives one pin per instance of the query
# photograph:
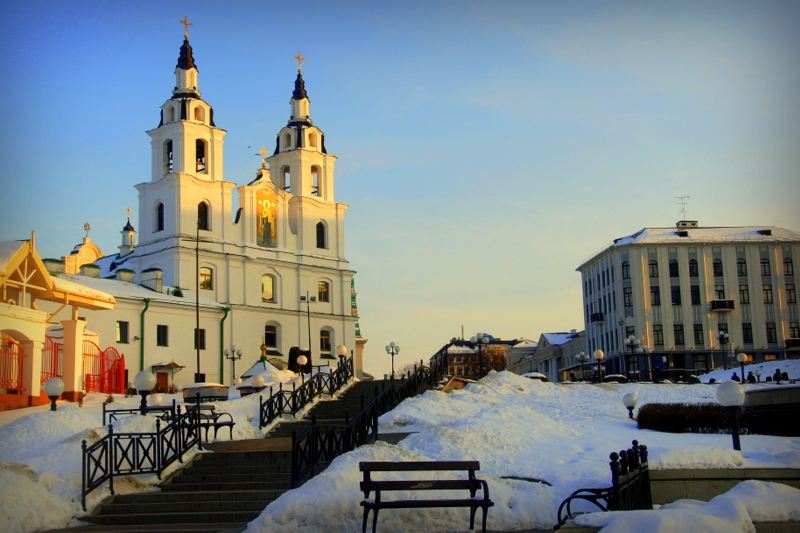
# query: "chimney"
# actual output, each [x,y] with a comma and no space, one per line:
[125,274]
[686,224]
[90,271]
[56,266]
[151,278]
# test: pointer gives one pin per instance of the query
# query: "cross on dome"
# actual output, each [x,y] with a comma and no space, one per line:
[300,60]
[186,25]
[263,153]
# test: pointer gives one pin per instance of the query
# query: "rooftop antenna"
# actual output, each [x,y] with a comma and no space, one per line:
[682,200]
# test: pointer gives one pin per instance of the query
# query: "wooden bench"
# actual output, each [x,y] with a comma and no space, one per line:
[629,490]
[209,418]
[472,484]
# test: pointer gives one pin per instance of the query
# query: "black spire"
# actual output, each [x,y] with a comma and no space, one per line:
[128,226]
[299,87]
[185,60]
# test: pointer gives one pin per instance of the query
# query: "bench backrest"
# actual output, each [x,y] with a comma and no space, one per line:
[411,466]
[471,483]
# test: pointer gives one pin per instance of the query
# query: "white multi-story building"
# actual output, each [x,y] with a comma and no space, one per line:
[676,290]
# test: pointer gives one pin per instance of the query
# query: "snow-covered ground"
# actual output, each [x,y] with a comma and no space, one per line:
[515,426]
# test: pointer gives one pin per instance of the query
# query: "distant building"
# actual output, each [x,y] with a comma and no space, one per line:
[466,359]
[520,357]
[675,290]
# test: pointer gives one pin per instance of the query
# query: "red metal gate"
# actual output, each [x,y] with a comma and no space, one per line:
[103,371]
[52,359]
[11,365]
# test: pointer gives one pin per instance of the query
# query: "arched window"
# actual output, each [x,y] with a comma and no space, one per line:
[673,268]
[693,270]
[168,156]
[170,114]
[199,114]
[324,340]
[267,288]
[270,336]
[717,268]
[287,178]
[315,181]
[206,278]
[202,216]
[287,142]
[324,292]
[741,267]
[788,267]
[200,156]
[322,236]
[653,268]
[158,223]
[312,140]
[765,270]
[626,270]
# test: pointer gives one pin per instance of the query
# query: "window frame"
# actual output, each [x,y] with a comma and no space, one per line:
[270,336]
[272,290]
[677,331]
[717,268]
[652,268]
[694,269]
[655,295]
[675,295]
[325,340]
[741,267]
[766,293]
[744,293]
[162,335]
[206,278]
[658,335]
[123,332]
[323,291]
[699,335]
[674,271]
[766,268]
[202,338]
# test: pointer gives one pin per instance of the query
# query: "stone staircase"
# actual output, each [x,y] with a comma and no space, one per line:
[228,485]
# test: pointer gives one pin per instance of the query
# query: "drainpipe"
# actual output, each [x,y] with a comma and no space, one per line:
[222,344]
[141,334]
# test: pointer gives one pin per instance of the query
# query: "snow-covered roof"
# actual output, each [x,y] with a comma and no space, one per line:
[460,349]
[557,339]
[65,285]
[8,249]
[132,291]
[111,263]
[526,344]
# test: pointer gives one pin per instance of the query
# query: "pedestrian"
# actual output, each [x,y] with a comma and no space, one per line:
[751,378]
[776,377]
[735,377]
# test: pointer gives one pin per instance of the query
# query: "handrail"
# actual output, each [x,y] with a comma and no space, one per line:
[124,454]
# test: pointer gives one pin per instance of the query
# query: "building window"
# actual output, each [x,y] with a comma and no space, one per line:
[312,140]
[699,339]
[744,294]
[202,216]
[719,292]
[627,296]
[287,142]
[206,278]
[315,181]
[325,340]
[741,267]
[199,339]
[678,330]
[676,295]
[270,336]
[287,178]
[267,288]
[653,268]
[700,361]
[766,291]
[747,333]
[788,267]
[170,114]
[199,115]
[693,270]
[168,157]
[658,334]
[322,236]
[122,332]
[673,268]
[655,296]
[695,292]
[626,270]
[765,270]
[324,291]
[772,333]
[794,330]
[159,221]
[200,156]
[723,327]
[717,268]
[791,296]
[162,335]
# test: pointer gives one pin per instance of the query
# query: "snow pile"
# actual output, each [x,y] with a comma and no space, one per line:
[790,366]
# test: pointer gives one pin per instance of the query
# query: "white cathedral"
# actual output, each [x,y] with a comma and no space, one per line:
[267,269]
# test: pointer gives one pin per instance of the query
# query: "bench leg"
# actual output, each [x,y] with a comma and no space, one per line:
[472,511]
[364,522]
[374,520]
[485,512]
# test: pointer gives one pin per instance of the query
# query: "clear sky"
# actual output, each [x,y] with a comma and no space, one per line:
[485,148]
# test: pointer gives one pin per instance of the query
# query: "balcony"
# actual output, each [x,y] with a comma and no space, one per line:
[596,317]
[721,305]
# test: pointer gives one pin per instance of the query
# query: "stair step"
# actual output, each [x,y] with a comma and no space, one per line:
[211,486]
[173,517]
[197,496]
[185,507]
[221,470]
[252,477]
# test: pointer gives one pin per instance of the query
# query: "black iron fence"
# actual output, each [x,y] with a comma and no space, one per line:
[291,401]
[114,414]
[124,454]
[319,444]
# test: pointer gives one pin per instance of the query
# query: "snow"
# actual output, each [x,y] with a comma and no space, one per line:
[516,427]
[790,366]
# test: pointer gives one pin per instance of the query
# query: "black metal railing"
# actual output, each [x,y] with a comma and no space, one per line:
[291,401]
[319,444]
[124,454]
[114,414]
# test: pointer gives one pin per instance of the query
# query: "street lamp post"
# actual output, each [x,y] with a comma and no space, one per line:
[583,357]
[630,400]
[723,340]
[341,351]
[301,361]
[598,356]
[308,299]
[741,357]
[633,344]
[480,339]
[233,354]
[392,349]
[647,351]
[731,395]
[144,383]
[53,388]
[758,375]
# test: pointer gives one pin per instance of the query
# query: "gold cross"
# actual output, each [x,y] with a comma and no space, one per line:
[86,228]
[129,210]
[300,60]
[263,153]
[186,25]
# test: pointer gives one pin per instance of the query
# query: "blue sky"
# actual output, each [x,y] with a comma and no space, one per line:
[485,148]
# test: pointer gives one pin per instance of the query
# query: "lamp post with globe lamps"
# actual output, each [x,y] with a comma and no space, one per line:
[301,362]
[53,388]
[233,354]
[633,345]
[630,400]
[598,356]
[723,340]
[731,395]
[758,375]
[341,351]
[583,357]
[144,383]
[481,339]
[741,357]
[392,349]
